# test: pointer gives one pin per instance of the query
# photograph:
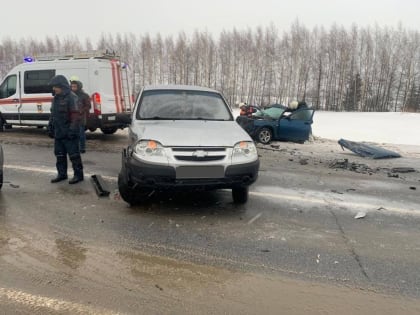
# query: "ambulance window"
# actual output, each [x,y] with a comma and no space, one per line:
[36,81]
[8,87]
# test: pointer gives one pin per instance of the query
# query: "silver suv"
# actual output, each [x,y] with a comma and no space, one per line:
[185,137]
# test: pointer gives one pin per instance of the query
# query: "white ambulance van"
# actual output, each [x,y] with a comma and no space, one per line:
[25,96]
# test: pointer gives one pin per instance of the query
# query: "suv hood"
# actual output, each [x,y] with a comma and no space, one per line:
[189,132]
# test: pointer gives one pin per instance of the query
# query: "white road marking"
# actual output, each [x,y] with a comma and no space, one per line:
[351,205]
[47,170]
[37,301]
[255,218]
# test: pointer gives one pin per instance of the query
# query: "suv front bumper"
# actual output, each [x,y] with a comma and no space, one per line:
[164,177]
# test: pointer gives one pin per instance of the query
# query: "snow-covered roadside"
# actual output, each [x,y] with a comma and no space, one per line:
[395,128]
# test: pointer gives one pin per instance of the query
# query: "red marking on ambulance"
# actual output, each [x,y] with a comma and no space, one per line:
[116,77]
[25,100]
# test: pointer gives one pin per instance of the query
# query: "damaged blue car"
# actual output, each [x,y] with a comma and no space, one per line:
[278,122]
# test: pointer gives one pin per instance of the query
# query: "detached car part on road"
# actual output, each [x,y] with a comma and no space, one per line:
[1,166]
[185,137]
[278,122]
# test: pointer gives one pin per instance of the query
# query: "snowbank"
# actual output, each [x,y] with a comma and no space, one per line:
[396,128]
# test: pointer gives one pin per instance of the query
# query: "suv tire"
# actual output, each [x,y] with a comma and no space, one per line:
[240,194]
[127,193]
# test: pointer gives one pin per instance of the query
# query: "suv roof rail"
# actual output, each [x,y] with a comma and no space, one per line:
[104,54]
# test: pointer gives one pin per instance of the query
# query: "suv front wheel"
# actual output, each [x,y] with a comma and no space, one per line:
[132,195]
[127,193]
[240,194]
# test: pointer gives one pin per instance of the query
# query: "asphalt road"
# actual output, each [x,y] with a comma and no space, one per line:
[295,245]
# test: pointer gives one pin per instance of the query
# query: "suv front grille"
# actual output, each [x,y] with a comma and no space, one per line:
[196,158]
[199,154]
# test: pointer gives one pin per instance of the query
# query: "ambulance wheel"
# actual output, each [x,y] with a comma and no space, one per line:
[109,130]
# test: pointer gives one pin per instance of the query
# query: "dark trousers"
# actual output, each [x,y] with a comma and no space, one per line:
[70,147]
[82,138]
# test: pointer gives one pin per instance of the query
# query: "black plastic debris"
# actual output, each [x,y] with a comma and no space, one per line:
[367,150]
[101,187]
[403,170]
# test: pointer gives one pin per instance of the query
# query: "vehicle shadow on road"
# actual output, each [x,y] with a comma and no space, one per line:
[190,203]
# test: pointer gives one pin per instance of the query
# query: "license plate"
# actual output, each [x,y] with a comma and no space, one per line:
[200,171]
[111,117]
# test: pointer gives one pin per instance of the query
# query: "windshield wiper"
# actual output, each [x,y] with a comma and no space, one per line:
[202,118]
[156,118]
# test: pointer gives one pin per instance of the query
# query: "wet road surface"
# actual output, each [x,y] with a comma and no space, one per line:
[295,246]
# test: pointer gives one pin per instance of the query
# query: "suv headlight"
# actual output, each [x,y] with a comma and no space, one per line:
[150,150]
[244,151]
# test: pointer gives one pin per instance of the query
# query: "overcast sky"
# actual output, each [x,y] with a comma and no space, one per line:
[87,18]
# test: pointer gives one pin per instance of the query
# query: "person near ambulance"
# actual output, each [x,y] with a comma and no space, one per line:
[84,107]
[65,126]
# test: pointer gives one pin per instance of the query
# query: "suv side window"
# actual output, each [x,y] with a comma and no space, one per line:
[36,81]
[8,88]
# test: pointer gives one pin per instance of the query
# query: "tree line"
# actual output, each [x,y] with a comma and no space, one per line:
[339,69]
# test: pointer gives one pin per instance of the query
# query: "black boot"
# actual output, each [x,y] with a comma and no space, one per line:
[77,168]
[61,165]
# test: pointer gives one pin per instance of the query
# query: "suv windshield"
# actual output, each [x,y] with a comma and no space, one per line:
[182,105]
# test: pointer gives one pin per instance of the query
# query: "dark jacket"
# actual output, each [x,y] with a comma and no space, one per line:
[65,115]
[84,103]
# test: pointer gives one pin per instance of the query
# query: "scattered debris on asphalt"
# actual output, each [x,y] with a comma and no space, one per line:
[352,166]
[360,215]
[402,170]
[303,161]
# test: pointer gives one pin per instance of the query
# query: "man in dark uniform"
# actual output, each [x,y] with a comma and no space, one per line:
[65,120]
[84,107]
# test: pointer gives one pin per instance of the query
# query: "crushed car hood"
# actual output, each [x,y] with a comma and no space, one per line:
[189,132]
